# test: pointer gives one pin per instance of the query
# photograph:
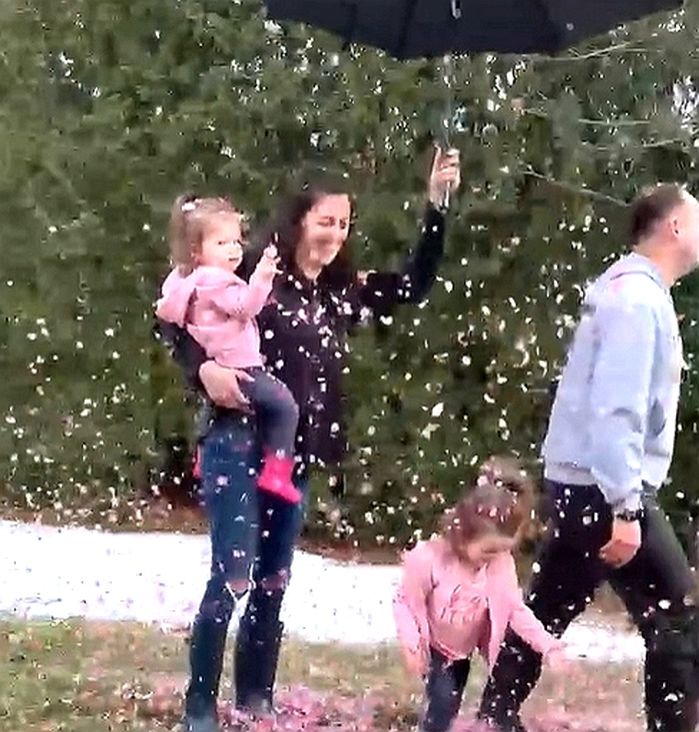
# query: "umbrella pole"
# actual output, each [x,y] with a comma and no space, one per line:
[448,78]
[448,117]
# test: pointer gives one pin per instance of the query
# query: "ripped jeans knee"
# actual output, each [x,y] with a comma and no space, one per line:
[277,581]
[218,603]
[270,585]
[265,601]
[233,570]
[238,588]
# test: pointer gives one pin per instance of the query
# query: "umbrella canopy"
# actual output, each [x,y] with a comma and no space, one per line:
[429,28]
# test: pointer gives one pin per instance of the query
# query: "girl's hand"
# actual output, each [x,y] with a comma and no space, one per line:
[222,385]
[445,175]
[416,661]
[556,658]
[267,266]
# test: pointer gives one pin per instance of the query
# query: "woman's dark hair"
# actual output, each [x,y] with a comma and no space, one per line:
[501,501]
[284,228]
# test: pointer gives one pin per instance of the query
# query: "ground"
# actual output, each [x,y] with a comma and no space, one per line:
[112,677]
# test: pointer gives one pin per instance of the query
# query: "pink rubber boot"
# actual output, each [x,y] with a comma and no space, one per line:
[276,478]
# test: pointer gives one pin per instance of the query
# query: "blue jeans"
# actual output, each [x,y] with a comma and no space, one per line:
[252,543]
[445,690]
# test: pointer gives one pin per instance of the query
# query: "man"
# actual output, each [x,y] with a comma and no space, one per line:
[606,454]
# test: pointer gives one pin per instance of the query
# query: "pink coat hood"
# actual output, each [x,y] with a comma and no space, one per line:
[176,295]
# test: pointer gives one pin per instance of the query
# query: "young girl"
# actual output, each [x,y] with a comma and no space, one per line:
[459,592]
[218,308]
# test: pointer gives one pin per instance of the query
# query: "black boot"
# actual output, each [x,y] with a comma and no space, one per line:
[256,658]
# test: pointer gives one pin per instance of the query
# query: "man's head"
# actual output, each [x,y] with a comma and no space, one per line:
[664,225]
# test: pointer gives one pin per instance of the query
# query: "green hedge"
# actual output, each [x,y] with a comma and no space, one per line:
[110,109]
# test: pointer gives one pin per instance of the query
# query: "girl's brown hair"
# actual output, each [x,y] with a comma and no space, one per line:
[189,216]
[501,501]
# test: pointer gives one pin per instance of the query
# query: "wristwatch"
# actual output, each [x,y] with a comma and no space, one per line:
[627,515]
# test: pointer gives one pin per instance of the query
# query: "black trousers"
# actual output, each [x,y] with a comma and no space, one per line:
[657,587]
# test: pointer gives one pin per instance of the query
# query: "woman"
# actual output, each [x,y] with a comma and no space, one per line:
[315,301]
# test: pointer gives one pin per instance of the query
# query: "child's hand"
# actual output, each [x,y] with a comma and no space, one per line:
[267,266]
[557,658]
[415,661]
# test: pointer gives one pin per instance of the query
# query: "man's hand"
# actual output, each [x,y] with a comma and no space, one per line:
[625,542]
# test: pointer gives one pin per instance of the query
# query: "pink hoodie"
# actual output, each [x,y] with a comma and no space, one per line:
[218,308]
[443,603]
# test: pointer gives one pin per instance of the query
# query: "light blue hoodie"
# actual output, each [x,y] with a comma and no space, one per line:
[614,417]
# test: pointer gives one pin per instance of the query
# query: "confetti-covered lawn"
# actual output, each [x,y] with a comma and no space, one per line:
[113,677]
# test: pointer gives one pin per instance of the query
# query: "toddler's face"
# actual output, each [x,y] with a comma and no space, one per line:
[478,552]
[222,243]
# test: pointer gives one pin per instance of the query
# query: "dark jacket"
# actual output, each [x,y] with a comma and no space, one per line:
[304,331]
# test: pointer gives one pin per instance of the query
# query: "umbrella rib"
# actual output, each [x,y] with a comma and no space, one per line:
[407,20]
[589,192]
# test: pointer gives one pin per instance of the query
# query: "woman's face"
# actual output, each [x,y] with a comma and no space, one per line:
[324,230]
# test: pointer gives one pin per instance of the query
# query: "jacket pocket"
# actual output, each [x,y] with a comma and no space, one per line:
[657,419]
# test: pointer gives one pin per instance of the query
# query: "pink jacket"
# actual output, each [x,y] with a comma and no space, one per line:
[218,308]
[443,603]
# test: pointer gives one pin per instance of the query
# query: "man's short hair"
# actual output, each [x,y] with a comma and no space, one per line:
[651,206]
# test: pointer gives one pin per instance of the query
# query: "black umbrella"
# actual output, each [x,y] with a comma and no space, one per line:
[429,28]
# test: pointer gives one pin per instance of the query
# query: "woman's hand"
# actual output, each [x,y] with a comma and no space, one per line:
[222,385]
[445,175]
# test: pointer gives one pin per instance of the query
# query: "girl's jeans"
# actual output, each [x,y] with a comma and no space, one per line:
[252,542]
[445,690]
[277,412]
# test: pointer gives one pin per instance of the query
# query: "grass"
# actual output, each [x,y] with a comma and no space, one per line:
[113,677]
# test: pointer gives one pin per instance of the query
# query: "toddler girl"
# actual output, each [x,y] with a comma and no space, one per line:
[218,308]
[459,592]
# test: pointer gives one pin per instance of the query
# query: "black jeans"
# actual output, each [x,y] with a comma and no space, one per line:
[445,690]
[657,587]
